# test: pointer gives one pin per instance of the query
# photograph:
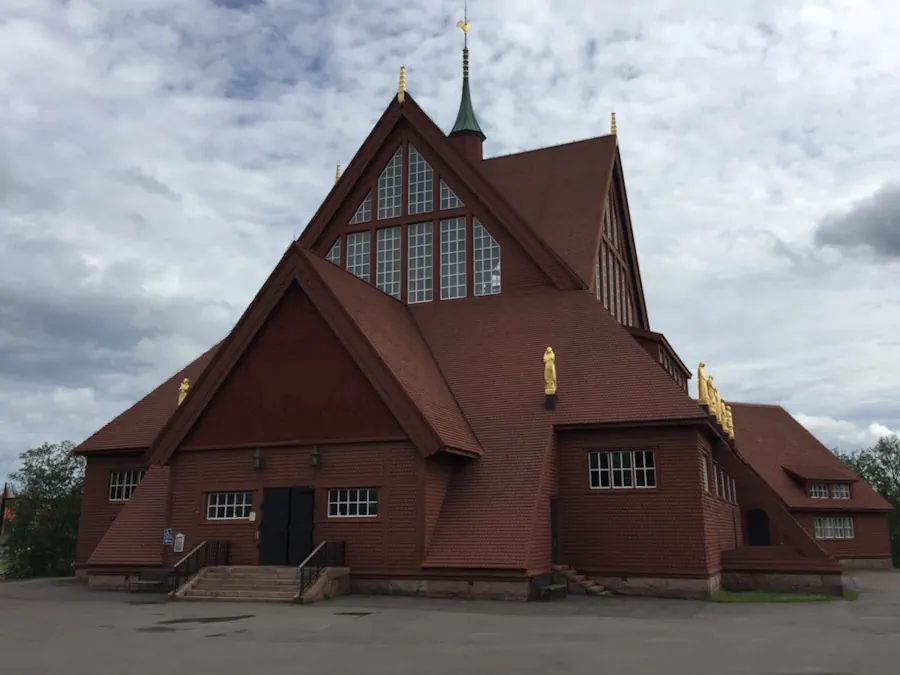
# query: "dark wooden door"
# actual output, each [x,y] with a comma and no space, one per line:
[300,537]
[758,533]
[274,528]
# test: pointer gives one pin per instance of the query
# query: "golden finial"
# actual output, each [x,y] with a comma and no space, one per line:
[401,89]
[337,174]
[612,125]
[465,25]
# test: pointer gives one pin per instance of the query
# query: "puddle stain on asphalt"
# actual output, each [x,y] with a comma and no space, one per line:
[206,619]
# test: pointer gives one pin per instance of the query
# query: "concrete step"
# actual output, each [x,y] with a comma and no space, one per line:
[559,568]
[234,585]
[234,594]
[216,574]
[596,590]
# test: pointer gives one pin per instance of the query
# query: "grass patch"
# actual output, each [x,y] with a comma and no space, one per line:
[770,596]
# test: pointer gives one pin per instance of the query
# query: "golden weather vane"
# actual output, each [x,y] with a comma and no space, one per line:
[465,25]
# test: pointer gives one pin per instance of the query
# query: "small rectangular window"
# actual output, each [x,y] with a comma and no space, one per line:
[486,253]
[834,527]
[603,276]
[229,505]
[644,469]
[453,258]
[598,466]
[358,248]
[387,272]
[623,476]
[704,472]
[420,281]
[818,491]
[353,503]
[622,469]
[123,483]
[840,491]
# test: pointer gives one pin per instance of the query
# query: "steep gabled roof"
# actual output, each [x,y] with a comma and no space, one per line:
[423,420]
[135,536]
[136,428]
[491,352]
[562,192]
[496,203]
[776,445]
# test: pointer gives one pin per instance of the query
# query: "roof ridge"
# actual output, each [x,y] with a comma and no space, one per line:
[548,147]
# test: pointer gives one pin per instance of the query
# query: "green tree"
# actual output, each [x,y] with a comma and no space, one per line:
[879,466]
[40,539]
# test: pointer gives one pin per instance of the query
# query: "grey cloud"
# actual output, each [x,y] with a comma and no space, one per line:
[871,224]
[135,176]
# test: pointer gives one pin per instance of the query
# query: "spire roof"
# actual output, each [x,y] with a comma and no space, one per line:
[466,122]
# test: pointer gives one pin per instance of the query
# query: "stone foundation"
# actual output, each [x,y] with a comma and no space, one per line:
[444,588]
[661,587]
[108,582]
[825,584]
[867,563]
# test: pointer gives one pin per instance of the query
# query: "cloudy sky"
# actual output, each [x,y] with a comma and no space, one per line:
[157,156]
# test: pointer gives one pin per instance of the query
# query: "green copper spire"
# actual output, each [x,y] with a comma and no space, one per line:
[466,122]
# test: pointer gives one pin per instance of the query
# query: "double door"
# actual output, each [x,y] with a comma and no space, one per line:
[286,528]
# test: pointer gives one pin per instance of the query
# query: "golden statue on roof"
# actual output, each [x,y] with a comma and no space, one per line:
[730,420]
[713,396]
[401,88]
[702,389]
[337,174]
[549,372]
[183,390]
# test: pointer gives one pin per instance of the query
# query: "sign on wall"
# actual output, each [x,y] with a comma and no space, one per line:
[168,538]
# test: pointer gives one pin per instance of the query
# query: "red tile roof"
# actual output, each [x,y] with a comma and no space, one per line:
[491,352]
[819,472]
[770,439]
[561,192]
[391,330]
[135,536]
[137,427]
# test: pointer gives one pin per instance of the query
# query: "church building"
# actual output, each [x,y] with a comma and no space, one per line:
[452,372]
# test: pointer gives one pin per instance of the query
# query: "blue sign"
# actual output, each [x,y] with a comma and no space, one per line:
[168,538]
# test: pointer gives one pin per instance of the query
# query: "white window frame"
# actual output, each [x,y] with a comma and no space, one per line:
[390,188]
[453,258]
[622,467]
[362,501]
[818,491]
[833,527]
[334,253]
[420,263]
[359,246]
[364,212]
[388,257]
[839,490]
[704,471]
[449,200]
[486,261]
[122,484]
[420,184]
[229,505]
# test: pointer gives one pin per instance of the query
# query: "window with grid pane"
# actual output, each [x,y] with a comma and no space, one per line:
[486,263]
[453,258]
[623,476]
[644,469]
[229,505]
[421,183]
[123,483]
[364,212]
[840,491]
[420,274]
[387,273]
[358,248]
[603,276]
[834,527]
[334,253]
[390,188]
[598,468]
[818,491]
[449,200]
[704,472]
[353,503]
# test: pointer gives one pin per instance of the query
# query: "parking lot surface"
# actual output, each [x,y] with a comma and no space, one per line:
[49,627]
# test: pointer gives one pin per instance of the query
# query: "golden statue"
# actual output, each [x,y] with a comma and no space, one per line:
[337,175]
[401,88]
[613,129]
[183,389]
[722,417]
[549,372]
[730,420]
[713,394]
[702,389]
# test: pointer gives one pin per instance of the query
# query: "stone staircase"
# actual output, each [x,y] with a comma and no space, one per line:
[579,583]
[236,584]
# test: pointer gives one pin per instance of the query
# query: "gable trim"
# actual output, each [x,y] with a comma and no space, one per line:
[618,176]
[295,267]
[550,263]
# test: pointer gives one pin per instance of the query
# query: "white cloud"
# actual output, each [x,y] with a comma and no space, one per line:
[156,157]
[844,435]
